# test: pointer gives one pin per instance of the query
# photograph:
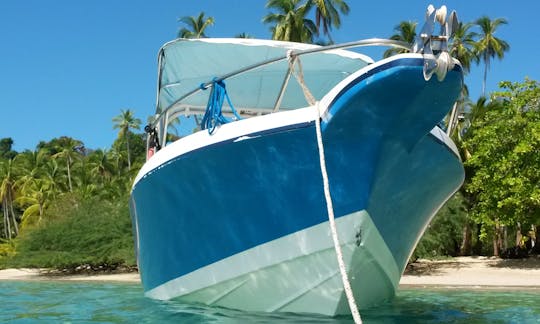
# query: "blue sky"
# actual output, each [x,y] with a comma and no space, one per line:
[68,67]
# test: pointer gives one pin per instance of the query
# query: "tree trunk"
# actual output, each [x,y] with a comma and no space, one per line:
[505,237]
[497,240]
[486,66]
[128,152]
[534,240]
[477,250]
[69,173]
[534,229]
[5,218]
[466,243]
[13,213]
[40,212]
[7,226]
[519,236]
[484,82]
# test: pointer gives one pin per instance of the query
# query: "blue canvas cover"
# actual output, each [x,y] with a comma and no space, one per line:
[187,63]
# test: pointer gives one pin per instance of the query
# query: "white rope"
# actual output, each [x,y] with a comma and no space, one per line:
[330,209]
[299,75]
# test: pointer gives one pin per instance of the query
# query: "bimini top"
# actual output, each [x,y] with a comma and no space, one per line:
[185,64]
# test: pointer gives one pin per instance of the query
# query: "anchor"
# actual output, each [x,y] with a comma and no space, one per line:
[437,60]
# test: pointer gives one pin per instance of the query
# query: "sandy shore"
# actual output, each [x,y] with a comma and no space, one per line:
[43,274]
[466,272]
[477,272]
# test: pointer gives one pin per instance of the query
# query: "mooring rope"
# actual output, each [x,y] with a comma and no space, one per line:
[213,115]
[344,278]
[299,75]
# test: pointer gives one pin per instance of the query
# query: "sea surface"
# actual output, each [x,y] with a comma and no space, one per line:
[68,302]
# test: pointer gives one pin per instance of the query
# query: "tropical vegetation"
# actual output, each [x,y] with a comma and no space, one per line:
[488,46]
[405,32]
[65,205]
[306,21]
[289,20]
[195,26]
[125,122]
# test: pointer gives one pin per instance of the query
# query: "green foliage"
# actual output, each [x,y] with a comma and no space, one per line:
[444,235]
[504,143]
[59,144]
[78,231]
[488,46]
[125,122]
[327,15]
[196,26]
[5,148]
[63,205]
[7,249]
[289,21]
[137,145]
[405,32]
[462,45]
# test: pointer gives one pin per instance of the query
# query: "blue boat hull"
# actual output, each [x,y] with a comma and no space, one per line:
[384,159]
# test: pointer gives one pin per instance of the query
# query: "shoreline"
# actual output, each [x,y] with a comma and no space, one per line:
[454,273]
[473,272]
[45,275]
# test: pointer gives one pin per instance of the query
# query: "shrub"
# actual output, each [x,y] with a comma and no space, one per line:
[90,232]
[445,232]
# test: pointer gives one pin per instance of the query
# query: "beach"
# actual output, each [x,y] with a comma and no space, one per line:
[46,275]
[473,272]
[459,272]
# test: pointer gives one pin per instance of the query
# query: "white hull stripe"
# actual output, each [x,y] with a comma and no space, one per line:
[303,243]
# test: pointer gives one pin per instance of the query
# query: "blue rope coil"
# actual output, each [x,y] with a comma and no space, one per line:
[213,115]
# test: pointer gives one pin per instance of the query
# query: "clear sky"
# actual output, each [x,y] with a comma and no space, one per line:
[68,67]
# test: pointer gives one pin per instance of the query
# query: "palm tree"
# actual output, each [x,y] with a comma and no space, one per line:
[462,46]
[405,32]
[327,14]
[68,149]
[117,156]
[478,109]
[5,148]
[88,183]
[51,172]
[488,46]
[7,196]
[31,163]
[101,166]
[102,170]
[35,197]
[35,165]
[196,26]
[125,121]
[290,22]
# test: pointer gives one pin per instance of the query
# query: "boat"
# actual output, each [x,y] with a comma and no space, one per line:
[236,214]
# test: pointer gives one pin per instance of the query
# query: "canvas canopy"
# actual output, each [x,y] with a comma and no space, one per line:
[185,64]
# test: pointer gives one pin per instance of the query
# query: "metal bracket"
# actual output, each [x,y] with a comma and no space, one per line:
[434,47]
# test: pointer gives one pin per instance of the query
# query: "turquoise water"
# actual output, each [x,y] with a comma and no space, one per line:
[63,302]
